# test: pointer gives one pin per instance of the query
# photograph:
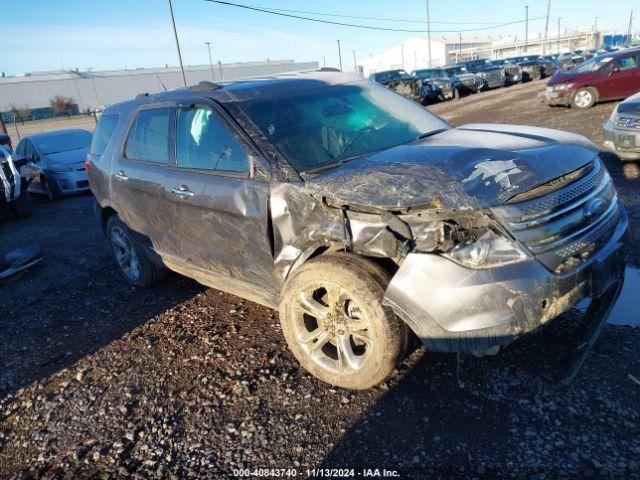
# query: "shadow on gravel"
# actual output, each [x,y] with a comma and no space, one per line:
[507,415]
[75,302]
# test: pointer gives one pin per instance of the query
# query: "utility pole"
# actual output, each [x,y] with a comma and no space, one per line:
[460,45]
[355,63]
[324,62]
[175,35]
[629,31]
[526,28]
[220,69]
[339,55]
[213,76]
[428,33]
[546,28]
[595,32]
[402,54]
[559,18]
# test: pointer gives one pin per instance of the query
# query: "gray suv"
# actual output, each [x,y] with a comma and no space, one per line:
[364,218]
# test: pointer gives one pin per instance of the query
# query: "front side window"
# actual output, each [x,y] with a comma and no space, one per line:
[203,142]
[627,63]
[102,135]
[322,127]
[149,137]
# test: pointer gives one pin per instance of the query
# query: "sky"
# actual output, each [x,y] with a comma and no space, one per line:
[42,35]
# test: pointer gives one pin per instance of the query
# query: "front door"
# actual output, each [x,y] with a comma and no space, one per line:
[625,80]
[219,208]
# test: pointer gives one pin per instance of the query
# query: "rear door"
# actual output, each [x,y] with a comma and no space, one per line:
[217,204]
[138,173]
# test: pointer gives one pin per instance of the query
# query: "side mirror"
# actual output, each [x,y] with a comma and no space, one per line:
[34,158]
[615,69]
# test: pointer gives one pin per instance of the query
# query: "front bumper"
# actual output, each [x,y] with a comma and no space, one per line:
[455,309]
[624,143]
[70,182]
[555,97]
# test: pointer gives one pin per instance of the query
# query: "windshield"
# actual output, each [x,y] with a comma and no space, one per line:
[592,65]
[391,75]
[479,64]
[64,142]
[456,70]
[322,127]
[428,74]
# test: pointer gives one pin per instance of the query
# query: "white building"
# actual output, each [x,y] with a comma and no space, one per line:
[413,53]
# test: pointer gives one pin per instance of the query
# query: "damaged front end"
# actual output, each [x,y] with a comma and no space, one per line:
[471,280]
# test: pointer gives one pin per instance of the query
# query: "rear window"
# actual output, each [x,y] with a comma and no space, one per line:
[64,142]
[102,134]
[149,137]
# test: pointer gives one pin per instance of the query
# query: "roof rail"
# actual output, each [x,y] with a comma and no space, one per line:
[205,85]
[142,95]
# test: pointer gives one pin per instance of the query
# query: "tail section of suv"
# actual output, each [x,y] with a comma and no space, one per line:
[361,216]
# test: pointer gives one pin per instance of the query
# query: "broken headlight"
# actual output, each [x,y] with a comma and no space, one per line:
[487,250]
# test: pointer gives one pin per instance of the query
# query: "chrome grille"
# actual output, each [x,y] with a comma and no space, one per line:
[566,226]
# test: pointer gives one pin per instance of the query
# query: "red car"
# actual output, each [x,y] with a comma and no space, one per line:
[606,77]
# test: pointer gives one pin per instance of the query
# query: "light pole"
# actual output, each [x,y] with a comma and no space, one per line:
[595,32]
[402,54]
[175,35]
[428,33]
[526,27]
[213,76]
[355,63]
[560,18]
[324,62]
[339,55]
[460,46]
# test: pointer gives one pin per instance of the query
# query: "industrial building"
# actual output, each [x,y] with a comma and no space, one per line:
[32,93]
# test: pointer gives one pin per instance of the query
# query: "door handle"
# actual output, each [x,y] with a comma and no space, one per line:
[121,176]
[182,192]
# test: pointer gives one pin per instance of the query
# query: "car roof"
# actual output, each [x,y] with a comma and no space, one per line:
[244,90]
[56,133]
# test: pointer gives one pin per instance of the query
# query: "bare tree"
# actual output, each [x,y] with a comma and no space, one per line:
[62,105]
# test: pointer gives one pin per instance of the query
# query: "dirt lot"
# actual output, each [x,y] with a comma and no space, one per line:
[180,381]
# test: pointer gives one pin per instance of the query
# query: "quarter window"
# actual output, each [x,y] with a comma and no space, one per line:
[149,137]
[204,143]
[102,135]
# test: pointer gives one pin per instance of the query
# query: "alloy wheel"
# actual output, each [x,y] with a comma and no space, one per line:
[583,98]
[125,253]
[332,329]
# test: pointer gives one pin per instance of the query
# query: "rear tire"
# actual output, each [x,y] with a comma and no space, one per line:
[334,322]
[130,257]
[584,98]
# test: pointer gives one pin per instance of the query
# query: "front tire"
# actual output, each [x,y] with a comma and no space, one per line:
[131,259]
[584,98]
[334,322]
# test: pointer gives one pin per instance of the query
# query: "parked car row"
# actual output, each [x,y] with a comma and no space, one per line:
[470,76]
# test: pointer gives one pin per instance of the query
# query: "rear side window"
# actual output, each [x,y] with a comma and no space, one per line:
[102,134]
[149,136]
[203,142]
[627,63]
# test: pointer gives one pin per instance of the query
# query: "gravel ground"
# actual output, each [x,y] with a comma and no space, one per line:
[179,381]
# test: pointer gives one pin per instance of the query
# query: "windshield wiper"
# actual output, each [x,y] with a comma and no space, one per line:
[429,134]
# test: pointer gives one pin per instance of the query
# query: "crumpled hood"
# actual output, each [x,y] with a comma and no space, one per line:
[562,76]
[68,158]
[473,166]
